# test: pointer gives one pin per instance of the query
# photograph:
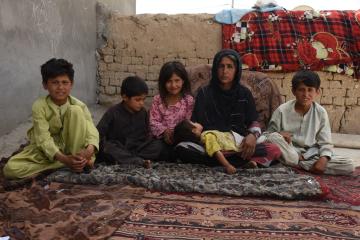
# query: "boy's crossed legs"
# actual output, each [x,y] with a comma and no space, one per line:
[31,161]
[338,165]
[114,152]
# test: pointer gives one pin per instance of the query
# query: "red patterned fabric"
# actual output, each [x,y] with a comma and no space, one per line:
[291,40]
[340,189]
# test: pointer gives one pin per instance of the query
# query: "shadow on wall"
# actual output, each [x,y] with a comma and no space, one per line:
[34,31]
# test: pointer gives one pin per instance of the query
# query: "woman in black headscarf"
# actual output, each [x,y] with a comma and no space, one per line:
[226,105]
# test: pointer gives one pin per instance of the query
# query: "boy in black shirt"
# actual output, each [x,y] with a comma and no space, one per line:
[124,128]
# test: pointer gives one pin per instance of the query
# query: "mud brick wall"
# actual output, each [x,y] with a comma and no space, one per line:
[141,44]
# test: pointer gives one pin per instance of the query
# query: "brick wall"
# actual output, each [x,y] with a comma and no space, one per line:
[139,45]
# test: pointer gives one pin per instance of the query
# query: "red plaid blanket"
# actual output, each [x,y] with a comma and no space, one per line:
[292,40]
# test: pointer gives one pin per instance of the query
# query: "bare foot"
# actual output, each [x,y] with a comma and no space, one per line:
[147,164]
[251,164]
[230,169]
[319,166]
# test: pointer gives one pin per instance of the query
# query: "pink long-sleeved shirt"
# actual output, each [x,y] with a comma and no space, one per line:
[163,117]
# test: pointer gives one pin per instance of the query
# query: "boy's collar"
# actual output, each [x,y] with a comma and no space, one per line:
[302,110]
[55,105]
[126,108]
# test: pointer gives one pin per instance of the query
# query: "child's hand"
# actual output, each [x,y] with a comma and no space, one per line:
[76,163]
[86,152]
[287,136]
[319,166]
[230,169]
[169,136]
[90,163]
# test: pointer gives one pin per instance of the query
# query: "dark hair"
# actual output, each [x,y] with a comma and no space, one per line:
[134,86]
[183,133]
[167,70]
[307,77]
[56,67]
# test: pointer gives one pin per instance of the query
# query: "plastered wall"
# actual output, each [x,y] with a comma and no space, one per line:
[33,31]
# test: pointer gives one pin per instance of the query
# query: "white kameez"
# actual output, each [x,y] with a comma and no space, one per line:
[311,138]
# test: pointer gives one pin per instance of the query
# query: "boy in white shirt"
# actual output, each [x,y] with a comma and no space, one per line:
[304,132]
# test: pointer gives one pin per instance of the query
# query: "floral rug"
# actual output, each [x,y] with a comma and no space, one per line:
[197,216]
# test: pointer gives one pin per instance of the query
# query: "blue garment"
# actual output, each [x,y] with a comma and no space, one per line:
[230,16]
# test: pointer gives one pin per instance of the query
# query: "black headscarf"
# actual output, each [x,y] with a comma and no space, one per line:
[225,99]
[214,82]
[225,110]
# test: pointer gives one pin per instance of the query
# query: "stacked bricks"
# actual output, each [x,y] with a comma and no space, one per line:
[115,65]
[140,45]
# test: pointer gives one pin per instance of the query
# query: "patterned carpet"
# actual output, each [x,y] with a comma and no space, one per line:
[197,216]
[340,189]
[65,211]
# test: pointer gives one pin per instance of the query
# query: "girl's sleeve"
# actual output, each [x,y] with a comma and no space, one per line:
[190,106]
[42,136]
[156,121]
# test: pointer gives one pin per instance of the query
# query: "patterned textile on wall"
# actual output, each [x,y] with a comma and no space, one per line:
[195,217]
[291,40]
[278,182]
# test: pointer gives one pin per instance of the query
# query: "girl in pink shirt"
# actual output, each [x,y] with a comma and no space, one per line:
[173,103]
